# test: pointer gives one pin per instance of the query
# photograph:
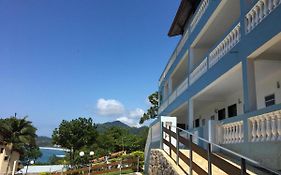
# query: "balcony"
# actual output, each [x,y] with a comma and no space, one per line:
[178,91]
[222,48]
[198,14]
[259,12]
[228,42]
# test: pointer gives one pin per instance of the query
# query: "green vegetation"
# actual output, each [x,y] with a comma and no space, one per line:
[153,110]
[82,135]
[21,134]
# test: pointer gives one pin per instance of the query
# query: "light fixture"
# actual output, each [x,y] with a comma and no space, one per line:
[239,101]
[278,84]
[81,154]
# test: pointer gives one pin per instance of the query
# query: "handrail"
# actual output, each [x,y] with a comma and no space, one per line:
[229,151]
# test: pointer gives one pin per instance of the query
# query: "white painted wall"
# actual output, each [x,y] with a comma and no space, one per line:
[268,73]
[207,111]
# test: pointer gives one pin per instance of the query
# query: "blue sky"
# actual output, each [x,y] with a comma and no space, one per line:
[62,59]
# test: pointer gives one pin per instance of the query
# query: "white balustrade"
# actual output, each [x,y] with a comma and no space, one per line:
[199,71]
[232,132]
[260,11]
[180,89]
[201,10]
[225,45]
[278,115]
[265,127]
[172,97]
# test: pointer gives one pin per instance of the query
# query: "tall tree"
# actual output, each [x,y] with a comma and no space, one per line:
[152,112]
[20,134]
[75,134]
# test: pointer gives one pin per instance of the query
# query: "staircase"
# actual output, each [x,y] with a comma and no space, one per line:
[202,160]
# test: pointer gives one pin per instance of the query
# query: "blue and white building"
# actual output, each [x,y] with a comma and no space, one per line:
[223,80]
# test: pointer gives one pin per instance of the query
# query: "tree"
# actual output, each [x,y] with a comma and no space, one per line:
[21,135]
[75,135]
[152,112]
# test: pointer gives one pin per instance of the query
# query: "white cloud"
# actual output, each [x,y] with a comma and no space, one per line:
[114,108]
[137,113]
[109,107]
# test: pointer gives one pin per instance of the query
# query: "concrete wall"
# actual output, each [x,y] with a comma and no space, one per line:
[267,74]
[7,165]
[260,152]
[207,111]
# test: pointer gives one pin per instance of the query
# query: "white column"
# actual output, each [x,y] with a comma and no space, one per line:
[273,127]
[258,133]
[268,127]
[253,122]
[241,133]
[279,125]
[263,131]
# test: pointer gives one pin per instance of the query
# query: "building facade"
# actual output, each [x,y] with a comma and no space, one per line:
[8,159]
[226,69]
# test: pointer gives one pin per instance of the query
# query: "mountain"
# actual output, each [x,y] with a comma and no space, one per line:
[133,130]
[111,124]
[43,141]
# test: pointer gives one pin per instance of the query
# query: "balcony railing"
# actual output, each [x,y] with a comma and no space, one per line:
[199,13]
[263,125]
[178,91]
[199,71]
[266,127]
[232,132]
[259,12]
[225,45]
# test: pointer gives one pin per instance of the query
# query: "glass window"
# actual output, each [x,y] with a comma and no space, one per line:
[196,123]
[232,110]
[221,114]
[269,100]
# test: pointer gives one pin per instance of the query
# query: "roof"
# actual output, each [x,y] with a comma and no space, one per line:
[183,15]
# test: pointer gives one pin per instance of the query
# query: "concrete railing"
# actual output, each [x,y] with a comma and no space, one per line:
[199,13]
[232,132]
[199,71]
[225,45]
[265,127]
[259,12]
[179,90]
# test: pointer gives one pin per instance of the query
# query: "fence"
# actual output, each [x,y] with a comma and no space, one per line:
[103,168]
[207,154]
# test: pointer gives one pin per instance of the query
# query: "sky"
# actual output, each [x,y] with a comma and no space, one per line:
[64,59]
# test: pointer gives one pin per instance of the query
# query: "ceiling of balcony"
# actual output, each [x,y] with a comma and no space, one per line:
[219,23]
[228,84]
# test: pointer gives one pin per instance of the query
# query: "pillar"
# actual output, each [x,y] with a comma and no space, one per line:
[249,85]
[190,114]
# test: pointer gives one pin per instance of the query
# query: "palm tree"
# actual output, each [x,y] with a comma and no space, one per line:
[17,133]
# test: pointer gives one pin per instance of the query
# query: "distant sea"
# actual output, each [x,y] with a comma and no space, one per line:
[48,152]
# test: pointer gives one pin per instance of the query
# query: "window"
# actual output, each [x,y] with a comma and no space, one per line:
[181,125]
[269,100]
[232,110]
[221,114]
[196,123]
